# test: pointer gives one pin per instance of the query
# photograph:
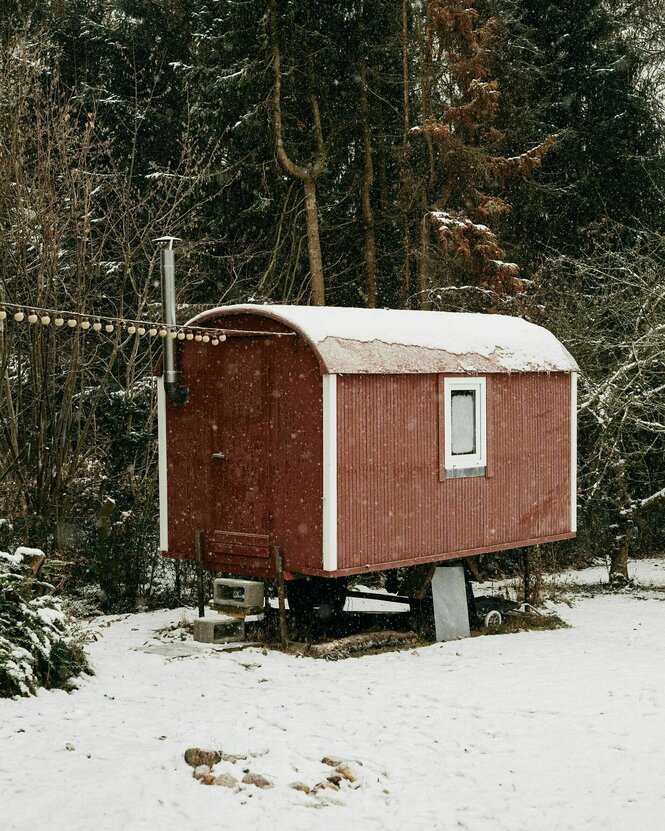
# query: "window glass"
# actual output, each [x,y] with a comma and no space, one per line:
[463,438]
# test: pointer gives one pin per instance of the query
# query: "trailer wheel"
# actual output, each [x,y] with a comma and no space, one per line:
[316,596]
[492,619]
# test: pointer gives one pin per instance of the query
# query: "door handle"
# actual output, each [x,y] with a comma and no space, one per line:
[219,456]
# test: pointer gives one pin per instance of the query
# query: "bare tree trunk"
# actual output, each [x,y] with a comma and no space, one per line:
[624,532]
[307,174]
[426,73]
[406,274]
[405,73]
[426,116]
[423,262]
[313,243]
[368,180]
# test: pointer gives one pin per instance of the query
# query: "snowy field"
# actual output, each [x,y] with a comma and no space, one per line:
[544,730]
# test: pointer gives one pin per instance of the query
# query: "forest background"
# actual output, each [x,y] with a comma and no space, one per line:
[500,156]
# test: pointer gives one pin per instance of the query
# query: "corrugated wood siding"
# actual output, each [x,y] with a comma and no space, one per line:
[296,454]
[393,505]
[225,383]
[188,454]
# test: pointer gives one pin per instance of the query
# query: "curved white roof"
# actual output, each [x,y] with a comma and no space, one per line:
[350,340]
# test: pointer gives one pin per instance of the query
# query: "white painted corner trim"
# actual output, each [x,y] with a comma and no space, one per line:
[330,472]
[573,452]
[163,470]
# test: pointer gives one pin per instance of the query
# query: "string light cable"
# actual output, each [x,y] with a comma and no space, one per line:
[72,321]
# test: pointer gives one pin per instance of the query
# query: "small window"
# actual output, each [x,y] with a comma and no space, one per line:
[464,428]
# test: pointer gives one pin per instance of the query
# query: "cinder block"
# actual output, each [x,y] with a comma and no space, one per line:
[239,594]
[209,630]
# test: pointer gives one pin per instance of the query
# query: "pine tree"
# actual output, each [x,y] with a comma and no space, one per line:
[463,174]
[567,68]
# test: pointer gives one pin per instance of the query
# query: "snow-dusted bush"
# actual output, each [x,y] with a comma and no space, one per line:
[36,649]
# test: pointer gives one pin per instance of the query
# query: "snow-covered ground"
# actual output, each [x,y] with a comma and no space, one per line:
[545,730]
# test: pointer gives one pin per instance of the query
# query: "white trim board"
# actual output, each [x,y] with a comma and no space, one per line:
[330,472]
[163,470]
[573,452]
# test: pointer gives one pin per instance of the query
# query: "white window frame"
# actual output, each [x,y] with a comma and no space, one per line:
[469,461]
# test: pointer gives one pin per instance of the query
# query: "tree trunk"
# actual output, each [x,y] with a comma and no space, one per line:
[305,173]
[625,529]
[619,563]
[368,180]
[406,273]
[313,244]
[422,34]
[423,263]
[406,104]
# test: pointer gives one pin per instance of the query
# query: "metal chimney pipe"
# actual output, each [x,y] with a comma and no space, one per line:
[172,375]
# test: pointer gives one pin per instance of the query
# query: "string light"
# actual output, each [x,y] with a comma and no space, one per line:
[74,320]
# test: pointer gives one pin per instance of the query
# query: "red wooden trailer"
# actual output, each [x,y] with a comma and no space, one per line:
[360,440]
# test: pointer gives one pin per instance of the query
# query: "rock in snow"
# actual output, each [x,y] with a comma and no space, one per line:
[257,779]
[196,757]
[225,780]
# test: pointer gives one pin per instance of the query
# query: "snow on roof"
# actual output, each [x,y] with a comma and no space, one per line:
[351,340]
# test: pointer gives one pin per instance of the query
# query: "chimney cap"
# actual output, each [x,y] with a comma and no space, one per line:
[167,242]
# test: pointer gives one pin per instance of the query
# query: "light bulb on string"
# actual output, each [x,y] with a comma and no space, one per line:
[181,336]
[59,321]
[215,342]
[72,323]
[152,332]
[190,336]
[3,314]
[85,324]
[19,316]
[109,328]
[32,318]
[198,338]
[173,334]
[206,339]
[45,320]
[131,329]
[97,326]
[163,333]
[222,338]
[141,330]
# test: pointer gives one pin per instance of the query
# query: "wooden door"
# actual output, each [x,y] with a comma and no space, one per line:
[239,406]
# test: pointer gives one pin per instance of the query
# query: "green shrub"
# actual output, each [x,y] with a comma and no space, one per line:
[36,649]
